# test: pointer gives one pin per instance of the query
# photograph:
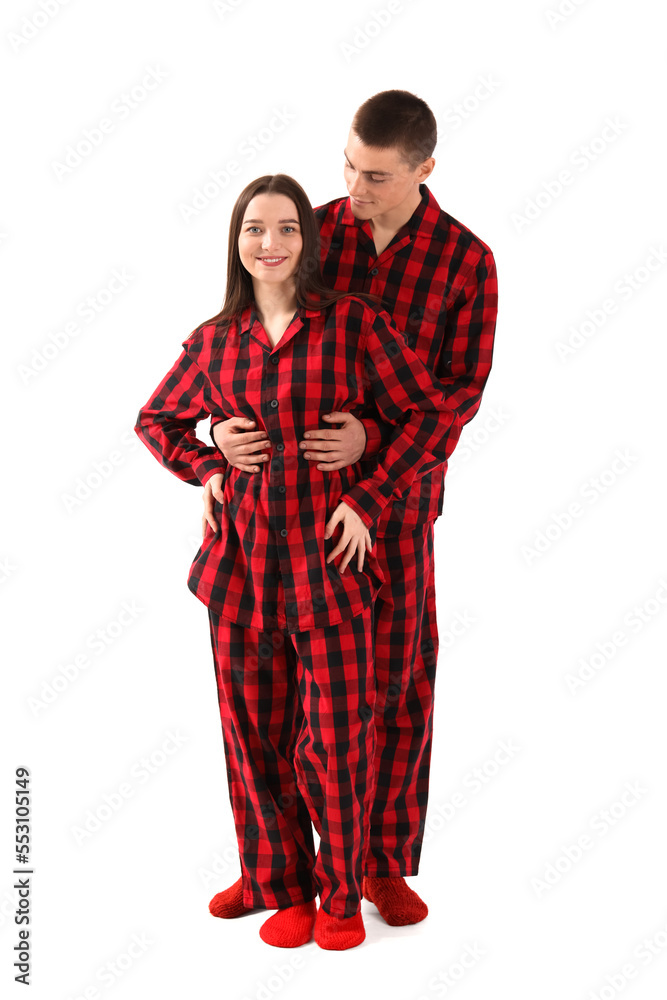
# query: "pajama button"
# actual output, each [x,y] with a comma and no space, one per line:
[281,489]
[374,271]
[274,359]
[274,403]
[280,447]
[283,532]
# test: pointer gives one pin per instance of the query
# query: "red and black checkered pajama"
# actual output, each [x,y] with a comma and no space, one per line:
[265,574]
[406,650]
[273,686]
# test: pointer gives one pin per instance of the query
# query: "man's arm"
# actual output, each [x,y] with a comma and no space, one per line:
[408,396]
[464,363]
[465,359]
[463,367]
[378,435]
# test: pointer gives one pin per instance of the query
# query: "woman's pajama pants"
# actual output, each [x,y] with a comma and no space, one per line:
[293,705]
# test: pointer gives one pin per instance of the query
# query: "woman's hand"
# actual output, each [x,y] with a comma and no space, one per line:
[354,538]
[212,492]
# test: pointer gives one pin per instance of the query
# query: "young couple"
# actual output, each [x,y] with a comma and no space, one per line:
[374,314]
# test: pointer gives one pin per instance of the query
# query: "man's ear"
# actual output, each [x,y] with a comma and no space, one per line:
[425,169]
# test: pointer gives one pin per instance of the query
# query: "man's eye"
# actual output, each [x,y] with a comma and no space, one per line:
[378,180]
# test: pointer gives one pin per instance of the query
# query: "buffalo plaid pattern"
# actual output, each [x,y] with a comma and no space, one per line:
[347,357]
[438,282]
[406,652]
[270,684]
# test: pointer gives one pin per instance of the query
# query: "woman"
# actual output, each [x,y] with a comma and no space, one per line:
[291,627]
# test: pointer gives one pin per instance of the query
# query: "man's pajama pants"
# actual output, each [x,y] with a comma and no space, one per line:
[406,651]
[318,687]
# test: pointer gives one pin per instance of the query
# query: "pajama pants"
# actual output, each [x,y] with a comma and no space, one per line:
[406,651]
[293,706]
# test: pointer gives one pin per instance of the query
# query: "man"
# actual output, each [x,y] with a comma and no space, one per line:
[438,281]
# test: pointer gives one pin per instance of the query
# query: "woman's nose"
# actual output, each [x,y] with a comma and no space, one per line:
[271,240]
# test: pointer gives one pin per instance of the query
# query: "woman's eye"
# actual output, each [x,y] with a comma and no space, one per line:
[288,229]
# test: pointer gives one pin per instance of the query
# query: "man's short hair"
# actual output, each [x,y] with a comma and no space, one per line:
[399,119]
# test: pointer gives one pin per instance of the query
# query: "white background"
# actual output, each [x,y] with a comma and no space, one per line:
[533,93]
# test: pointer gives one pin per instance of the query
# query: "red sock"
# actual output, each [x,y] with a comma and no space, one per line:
[290,927]
[396,901]
[229,902]
[338,933]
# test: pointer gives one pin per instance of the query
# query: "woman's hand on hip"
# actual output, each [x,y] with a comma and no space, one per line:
[212,492]
[354,539]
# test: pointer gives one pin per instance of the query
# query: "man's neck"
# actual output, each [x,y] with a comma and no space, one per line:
[386,226]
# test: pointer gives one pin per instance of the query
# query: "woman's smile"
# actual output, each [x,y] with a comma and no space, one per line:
[272,261]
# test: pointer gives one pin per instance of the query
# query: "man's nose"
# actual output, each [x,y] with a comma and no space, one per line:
[356,187]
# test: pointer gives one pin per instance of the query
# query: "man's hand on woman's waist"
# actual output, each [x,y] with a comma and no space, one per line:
[335,448]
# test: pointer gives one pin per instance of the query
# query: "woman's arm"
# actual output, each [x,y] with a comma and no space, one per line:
[409,396]
[167,422]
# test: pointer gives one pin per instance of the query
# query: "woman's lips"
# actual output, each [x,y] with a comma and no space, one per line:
[271,261]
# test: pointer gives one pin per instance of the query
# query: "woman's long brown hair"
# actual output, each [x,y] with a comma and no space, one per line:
[311,291]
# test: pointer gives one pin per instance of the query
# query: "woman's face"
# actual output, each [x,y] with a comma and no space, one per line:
[270,240]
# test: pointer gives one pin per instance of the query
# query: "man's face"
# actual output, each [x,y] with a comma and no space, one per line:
[378,180]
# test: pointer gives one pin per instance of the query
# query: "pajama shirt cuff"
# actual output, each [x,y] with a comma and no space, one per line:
[220,456]
[365,501]
[208,467]
[374,437]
